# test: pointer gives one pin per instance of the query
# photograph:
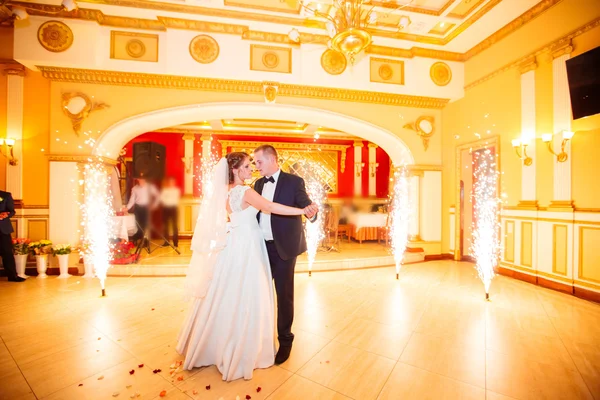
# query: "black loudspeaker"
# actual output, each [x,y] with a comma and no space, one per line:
[149,160]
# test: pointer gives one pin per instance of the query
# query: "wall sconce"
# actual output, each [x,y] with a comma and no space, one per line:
[358,166]
[188,163]
[521,149]
[6,148]
[373,167]
[562,156]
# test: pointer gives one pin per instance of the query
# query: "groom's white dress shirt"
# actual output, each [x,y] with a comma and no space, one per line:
[265,219]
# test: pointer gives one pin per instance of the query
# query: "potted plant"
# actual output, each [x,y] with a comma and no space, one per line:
[61,252]
[21,251]
[41,250]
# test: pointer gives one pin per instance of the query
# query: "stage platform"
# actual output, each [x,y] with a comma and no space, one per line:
[165,262]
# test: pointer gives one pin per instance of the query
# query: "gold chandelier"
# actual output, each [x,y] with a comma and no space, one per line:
[348,22]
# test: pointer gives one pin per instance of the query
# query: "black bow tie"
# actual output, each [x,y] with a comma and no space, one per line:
[270,179]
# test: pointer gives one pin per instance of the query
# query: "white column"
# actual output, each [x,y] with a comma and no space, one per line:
[189,167]
[358,168]
[414,230]
[373,169]
[14,130]
[206,148]
[562,121]
[64,196]
[431,204]
[528,132]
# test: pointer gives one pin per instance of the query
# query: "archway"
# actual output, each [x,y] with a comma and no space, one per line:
[116,136]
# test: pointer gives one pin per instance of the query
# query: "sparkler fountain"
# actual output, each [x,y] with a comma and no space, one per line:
[314,230]
[485,245]
[97,212]
[399,216]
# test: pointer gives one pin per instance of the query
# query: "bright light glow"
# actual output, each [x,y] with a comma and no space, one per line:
[567,134]
[314,230]
[547,137]
[294,35]
[516,142]
[442,24]
[70,5]
[485,244]
[10,142]
[97,212]
[399,215]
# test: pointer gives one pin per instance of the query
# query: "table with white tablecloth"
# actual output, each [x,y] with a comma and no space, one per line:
[365,225]
[124,226]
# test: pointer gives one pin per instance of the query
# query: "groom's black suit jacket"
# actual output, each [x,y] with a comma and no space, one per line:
[288,232]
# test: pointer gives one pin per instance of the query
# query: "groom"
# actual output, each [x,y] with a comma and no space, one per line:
[284,236]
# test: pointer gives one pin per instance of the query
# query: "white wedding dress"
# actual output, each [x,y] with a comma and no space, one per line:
[232,327]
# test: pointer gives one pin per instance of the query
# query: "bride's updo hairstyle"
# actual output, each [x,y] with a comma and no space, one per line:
[235,161]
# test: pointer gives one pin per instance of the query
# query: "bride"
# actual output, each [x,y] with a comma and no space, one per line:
[230,323]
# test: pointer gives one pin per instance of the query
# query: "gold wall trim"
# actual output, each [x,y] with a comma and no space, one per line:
[99,77]
[213,12]
[523,243]
[259,7]
[510,250]
[202,26]
[552,220]
[587,285]
[554,249]
[299,135]
[414,52]
[424,167]
[36,207]
[545,49]
[518,268]
[580,250]
[414,9]
[555,277]
[285,145]
[81,159]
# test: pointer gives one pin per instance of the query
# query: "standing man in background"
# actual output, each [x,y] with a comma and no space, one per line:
[144,198]
[7,210]
[169,198]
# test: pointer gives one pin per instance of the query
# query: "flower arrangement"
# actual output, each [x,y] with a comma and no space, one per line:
[61,249]
[21,246]
[123,252]
[40,248]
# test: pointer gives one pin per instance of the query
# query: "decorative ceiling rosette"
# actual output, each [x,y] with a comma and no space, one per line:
[204,49]
[333,62]
[440,73]
[55,36]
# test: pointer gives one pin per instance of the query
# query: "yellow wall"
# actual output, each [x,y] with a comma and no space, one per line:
[36,130]
[6,51]
[499,98]
[558,21]
[3,84]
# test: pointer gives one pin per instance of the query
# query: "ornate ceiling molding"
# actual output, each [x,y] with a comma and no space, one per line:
[162,23]
[529,60]
[299,135]
[90,14]
[512,26]
[235,86]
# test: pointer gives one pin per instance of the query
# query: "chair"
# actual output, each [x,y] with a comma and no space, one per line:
[344,229]
[383,232]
